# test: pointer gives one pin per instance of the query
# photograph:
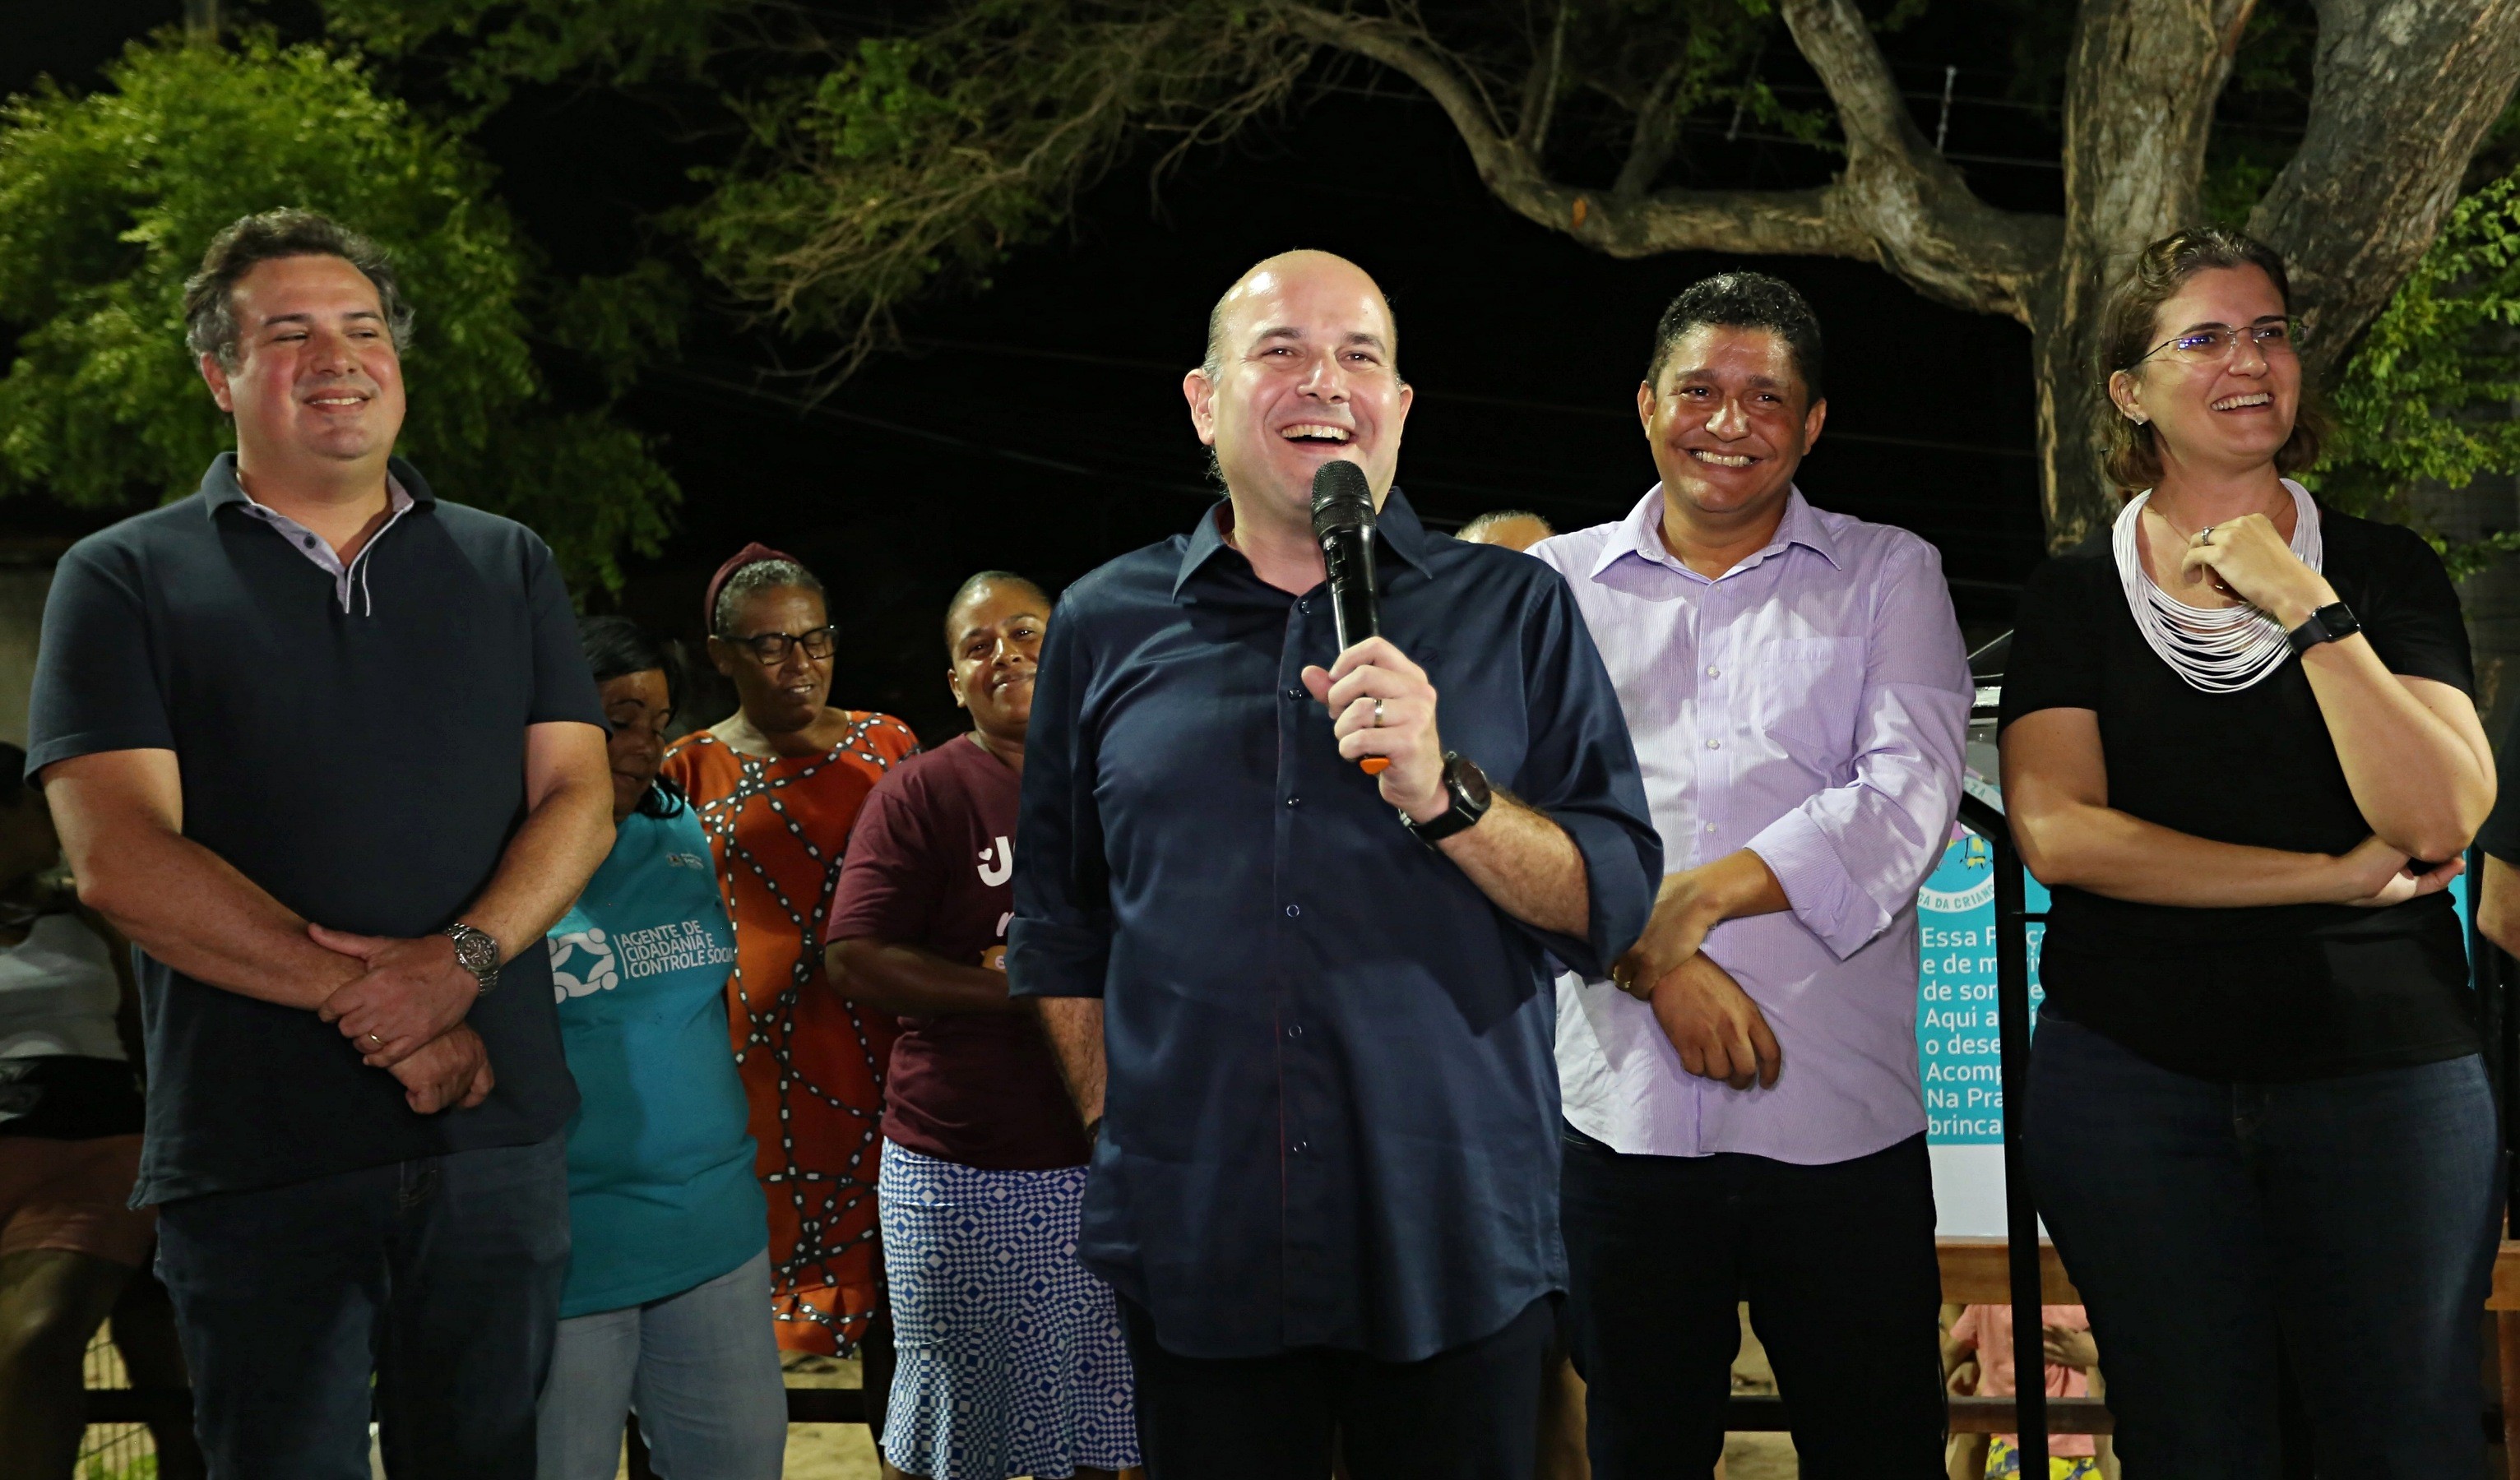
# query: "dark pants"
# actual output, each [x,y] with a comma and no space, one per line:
[1837,1263]
[2348,1223]
[1469,1413]
[442,1277]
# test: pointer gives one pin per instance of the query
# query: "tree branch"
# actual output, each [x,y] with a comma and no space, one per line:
[1890,208]
[1540,90]
[1927,225]
[2402,93]
[1657,130]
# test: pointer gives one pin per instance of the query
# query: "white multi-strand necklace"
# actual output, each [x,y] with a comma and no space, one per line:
[2216,650]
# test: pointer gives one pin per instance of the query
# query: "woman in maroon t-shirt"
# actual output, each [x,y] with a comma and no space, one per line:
[1012,1362]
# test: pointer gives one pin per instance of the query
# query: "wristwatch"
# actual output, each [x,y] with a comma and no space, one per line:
[477,952]
[1471,793]
[2326,625]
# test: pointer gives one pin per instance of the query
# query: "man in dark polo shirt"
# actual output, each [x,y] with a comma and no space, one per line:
[326,750]
[1323,1180]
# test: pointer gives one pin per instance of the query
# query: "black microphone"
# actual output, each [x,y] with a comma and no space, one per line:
[1343,524]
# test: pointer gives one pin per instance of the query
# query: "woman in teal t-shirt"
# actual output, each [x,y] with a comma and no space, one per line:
[667,1308]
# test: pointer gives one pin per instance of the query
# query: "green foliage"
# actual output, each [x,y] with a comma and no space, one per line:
[2432,398]
[500,43]
[106,202]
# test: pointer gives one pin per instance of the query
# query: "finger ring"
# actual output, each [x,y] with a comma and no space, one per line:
[2205,536]
[374,1039]
[1377,714]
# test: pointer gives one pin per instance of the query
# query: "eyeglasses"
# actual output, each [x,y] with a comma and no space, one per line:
[2213,343]
[770,648]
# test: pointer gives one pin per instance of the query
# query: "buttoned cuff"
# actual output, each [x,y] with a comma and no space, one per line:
[1045,958]
[1823,896]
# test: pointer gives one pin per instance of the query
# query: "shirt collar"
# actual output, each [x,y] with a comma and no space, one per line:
[221,487]
[1641,534]
[1397,526]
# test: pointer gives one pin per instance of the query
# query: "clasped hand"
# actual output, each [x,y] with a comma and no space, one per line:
[1385,705]
[405,1015]
[1719,1031]
[2248,558]
[2376,875]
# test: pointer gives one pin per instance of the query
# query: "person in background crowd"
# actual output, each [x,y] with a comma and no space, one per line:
[1561,1390]
[1324,1188]
[69,1152]
[1012,1360]
[1978,1354]
[1797,690]
[310,701]
[668,1308]
[2240,750]
[777,785]
[1513,528]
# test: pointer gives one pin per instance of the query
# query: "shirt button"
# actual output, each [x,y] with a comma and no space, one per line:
[1714,744]
[1292,800]
[1710,826]
[1714,672]
[1305,607]
[310,542]
[1294,909]
[1295,1030]
[1300,1147]
[1295,693]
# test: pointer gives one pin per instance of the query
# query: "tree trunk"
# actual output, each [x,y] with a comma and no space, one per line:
[2404,92]
[2139,91]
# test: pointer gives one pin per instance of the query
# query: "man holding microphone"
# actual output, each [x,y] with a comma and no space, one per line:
[1323,1174]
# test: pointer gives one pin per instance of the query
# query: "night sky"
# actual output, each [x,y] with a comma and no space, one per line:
[1040,426]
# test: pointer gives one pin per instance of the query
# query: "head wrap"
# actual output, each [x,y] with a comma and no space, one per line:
[750,555]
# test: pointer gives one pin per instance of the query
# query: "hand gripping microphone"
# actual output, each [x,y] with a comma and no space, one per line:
[1343,524]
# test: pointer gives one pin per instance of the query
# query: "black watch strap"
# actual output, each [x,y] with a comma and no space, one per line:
[1467,785]
[2326,625]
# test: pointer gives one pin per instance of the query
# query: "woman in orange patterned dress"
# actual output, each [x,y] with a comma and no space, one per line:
[778,786]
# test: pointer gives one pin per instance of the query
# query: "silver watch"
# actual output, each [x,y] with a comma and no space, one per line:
[477,952]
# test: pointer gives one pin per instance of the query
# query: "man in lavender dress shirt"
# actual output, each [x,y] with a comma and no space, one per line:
[1743,1115]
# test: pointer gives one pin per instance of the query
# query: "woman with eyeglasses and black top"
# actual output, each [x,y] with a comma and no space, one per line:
[777,785]
[2240,747]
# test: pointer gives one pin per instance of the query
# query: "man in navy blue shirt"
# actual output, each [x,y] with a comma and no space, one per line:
[1324,1183]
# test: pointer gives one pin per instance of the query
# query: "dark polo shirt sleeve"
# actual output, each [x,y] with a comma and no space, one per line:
[94,688]
[355,749]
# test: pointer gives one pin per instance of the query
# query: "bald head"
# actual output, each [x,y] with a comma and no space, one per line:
[1513,528]
[1273,270]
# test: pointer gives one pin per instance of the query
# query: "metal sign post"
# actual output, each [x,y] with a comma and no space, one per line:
[2022,1212]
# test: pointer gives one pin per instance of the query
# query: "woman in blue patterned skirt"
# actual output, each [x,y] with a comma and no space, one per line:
[1012,1360]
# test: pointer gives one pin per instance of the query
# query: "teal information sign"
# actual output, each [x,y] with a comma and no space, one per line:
[1957,1057]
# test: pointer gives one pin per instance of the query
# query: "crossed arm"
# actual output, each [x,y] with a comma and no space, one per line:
[2415,760]
[121,817]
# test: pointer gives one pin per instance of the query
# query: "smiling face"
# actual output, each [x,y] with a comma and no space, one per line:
[317,384]
[994,637]
[1304,373]
[786,695]
[637,706]
[2220,415]
[1729,421]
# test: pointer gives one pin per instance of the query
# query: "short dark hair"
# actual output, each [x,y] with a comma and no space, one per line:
[749,581]
[616,646]
[963,592]
[2132,450]
[1744,300]
[210,296]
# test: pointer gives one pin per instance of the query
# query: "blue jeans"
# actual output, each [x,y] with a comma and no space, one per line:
[2348,1223]
[701,1370]
[440,1276]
